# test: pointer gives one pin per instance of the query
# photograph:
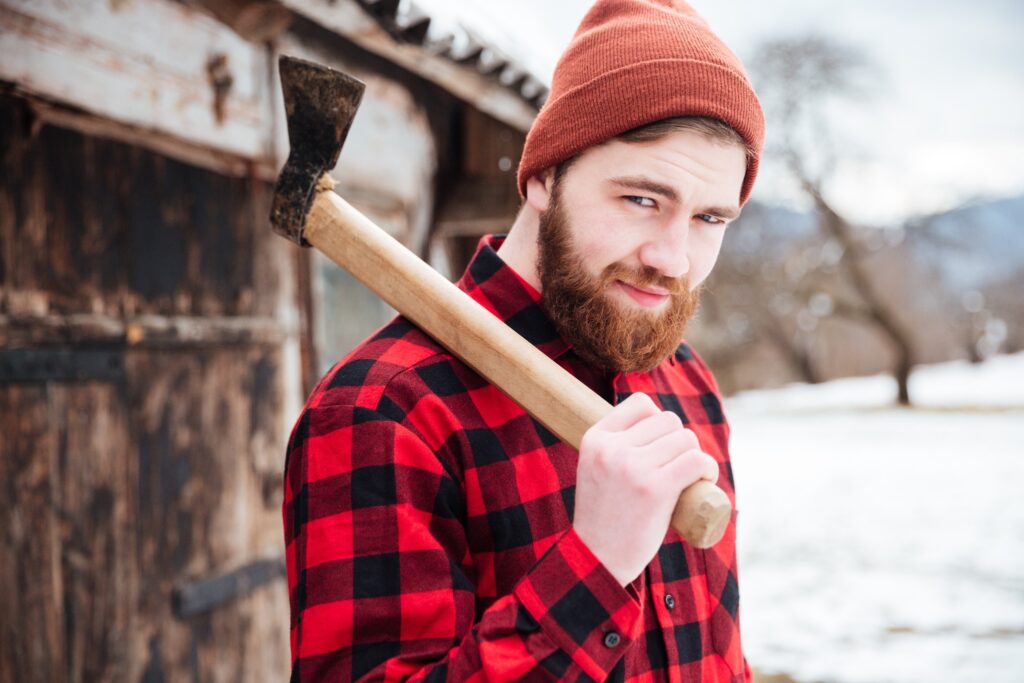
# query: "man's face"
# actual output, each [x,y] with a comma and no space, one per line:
[629,233]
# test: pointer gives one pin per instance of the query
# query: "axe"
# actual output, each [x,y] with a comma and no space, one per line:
[320,104]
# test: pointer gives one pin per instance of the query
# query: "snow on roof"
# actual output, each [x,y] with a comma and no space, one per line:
[474,35]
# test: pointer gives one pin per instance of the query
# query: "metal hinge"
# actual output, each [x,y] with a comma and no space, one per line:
[60,365]
[204,595]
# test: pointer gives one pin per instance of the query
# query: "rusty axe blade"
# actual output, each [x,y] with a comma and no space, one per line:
[320,104]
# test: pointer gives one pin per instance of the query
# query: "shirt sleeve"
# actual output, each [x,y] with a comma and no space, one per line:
[380,573]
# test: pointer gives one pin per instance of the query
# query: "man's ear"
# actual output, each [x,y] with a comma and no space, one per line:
[538,189]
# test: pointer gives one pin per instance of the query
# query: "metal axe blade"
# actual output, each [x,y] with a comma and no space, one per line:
[320,104]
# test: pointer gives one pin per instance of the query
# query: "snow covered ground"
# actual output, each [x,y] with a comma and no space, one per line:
[880,544]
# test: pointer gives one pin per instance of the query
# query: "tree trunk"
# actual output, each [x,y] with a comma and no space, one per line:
[903,367]
[876,308]
[799,356]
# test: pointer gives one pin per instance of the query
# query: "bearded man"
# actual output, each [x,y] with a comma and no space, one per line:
[434,530]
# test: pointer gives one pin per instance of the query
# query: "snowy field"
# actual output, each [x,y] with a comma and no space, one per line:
[880,544]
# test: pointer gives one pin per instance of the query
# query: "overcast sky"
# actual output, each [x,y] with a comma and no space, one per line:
[944,124]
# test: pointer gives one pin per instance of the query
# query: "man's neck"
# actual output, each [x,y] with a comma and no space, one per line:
[519,250]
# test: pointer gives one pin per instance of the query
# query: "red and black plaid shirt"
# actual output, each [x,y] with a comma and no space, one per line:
[428,521]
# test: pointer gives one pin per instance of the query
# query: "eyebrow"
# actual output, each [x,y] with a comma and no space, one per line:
[654,187]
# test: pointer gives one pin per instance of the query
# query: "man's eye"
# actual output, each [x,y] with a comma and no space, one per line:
[642,201]
[709,219]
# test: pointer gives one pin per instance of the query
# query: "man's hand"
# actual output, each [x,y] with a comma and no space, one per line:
[633,465]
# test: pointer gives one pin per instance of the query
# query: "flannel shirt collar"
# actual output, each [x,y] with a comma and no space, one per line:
[501,290]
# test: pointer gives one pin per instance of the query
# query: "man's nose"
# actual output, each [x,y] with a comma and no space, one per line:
[668,251]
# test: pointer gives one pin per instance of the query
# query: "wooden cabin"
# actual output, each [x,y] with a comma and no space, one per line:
[157,340]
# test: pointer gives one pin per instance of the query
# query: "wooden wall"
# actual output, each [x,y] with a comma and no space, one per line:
[480,197]
[157,340]
[142,407]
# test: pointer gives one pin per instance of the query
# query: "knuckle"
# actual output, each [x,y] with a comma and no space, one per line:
[596,443]
[646,488]
[670,418]
[590,442]
[699,465]
[682,442]
[692,465]
[711,467]
[642,399]
[631,474]
[603,455]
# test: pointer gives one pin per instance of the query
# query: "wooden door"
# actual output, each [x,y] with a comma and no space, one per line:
[147,371]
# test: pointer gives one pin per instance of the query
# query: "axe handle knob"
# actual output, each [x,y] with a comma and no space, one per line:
[538,384]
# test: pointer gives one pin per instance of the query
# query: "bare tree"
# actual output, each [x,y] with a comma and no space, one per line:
[752,297]
[797,79]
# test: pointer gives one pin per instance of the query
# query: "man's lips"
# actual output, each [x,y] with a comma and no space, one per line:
[648,297]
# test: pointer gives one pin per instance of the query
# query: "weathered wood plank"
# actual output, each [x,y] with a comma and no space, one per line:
[31,590]
[115,493]
[208,481]
[145,331]
[133,233]
[95,493]
[258,21]
[47,113]
[154,64]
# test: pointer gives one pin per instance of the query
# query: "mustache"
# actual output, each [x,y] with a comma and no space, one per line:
[645,276]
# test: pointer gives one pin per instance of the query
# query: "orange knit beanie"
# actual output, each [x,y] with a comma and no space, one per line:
[634,62]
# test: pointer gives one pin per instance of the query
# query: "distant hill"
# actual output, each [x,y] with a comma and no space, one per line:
[758,326]
[974,246]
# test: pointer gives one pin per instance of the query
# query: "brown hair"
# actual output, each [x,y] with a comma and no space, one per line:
[713,129]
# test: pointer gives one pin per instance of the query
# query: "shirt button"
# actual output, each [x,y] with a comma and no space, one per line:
[670,602]
[612,639]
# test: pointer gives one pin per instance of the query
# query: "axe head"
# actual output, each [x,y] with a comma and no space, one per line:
[320,104]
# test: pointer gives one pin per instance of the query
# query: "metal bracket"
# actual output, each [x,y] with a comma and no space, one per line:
[60,365]
[204,595]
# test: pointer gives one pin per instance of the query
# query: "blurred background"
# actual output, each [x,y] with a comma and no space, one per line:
[866,318]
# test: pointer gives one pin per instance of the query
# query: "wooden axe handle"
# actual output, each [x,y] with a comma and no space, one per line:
[543,388]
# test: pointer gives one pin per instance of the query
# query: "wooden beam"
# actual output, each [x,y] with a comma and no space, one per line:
[225,163]
[258,21]
[144,331]
[347,19]
[169,73]
[153,65]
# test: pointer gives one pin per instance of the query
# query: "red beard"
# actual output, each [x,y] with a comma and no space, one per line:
[601,331]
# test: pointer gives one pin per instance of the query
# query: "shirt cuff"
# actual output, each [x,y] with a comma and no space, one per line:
[580,606]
